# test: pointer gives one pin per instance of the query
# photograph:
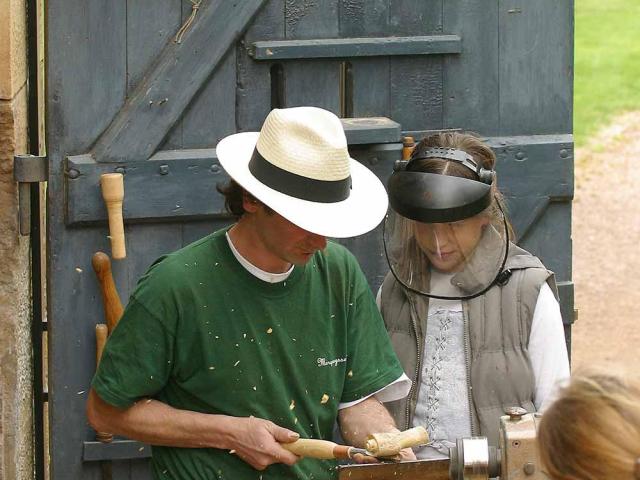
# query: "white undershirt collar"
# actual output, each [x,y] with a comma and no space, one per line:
[255,271]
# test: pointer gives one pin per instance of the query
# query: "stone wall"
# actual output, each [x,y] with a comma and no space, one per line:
[15,343]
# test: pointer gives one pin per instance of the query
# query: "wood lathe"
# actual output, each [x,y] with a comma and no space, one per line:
[515,458]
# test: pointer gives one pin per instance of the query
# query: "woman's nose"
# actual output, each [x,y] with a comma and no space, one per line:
[441,230]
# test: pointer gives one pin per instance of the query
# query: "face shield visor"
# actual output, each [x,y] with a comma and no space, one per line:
[444,237]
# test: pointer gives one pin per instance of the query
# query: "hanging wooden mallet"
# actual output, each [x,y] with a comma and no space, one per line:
[112,185]
[101,339]
[112,312]
[110,298]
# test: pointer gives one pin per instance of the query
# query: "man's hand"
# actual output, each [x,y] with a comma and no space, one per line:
[406,454]
[369,416]
[257,442]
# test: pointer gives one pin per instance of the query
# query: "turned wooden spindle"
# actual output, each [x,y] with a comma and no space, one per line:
[112,185]
[390,444]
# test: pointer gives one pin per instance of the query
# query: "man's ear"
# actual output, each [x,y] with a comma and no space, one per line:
[249,202]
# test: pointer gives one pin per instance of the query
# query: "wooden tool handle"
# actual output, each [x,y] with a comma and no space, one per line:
[408,144]
[101,339]
[112,185]
[389,444]
[110,298]
[324,449]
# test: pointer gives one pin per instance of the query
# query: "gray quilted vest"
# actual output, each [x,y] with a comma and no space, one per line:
[498,324]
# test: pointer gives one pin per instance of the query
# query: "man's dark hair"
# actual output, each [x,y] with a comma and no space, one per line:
[233,194]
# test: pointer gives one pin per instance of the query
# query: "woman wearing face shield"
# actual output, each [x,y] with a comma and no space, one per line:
[473,318]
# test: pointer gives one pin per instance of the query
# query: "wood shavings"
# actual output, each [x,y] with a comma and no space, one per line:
[324,399]
[269,330]
[350,373]
[292,405]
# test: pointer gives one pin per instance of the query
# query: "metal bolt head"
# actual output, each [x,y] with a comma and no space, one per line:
[520,156]
[515,413]
[120,170]
[73,173]
[215,168]
[164,169]
[529,468]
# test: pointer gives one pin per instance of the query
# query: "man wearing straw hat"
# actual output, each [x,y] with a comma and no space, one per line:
[264,332]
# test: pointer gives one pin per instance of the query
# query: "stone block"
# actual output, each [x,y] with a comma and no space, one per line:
[13,58]
[15,341]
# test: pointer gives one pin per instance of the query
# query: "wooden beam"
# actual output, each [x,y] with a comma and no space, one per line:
[369,130]
[417,470]
[355,47]
[116,450]
[171,83]
[171,184]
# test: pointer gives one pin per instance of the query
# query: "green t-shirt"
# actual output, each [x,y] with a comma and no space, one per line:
[201,333]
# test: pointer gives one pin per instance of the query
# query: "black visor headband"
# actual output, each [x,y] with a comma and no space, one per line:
[436,198]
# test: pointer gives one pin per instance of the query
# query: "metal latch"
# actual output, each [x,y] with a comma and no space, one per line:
[28,169]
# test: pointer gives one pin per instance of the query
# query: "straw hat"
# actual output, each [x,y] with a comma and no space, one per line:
[299,165]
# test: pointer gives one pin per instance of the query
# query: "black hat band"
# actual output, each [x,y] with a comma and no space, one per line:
[298,186]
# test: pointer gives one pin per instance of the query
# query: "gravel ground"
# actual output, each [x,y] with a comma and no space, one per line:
[606,250]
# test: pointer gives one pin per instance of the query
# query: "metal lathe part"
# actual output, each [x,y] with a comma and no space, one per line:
[353,451]
[473,459]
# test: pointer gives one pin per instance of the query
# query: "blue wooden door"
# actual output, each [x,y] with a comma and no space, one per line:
[124,95]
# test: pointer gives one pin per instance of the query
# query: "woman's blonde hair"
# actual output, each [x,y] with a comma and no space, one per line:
[592,431]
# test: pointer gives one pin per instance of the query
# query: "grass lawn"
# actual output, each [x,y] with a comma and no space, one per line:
[607,63]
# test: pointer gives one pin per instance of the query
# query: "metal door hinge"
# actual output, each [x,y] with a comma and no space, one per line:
[28,169]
